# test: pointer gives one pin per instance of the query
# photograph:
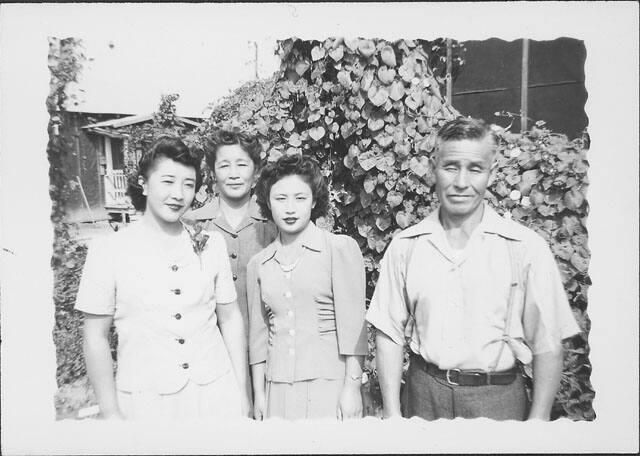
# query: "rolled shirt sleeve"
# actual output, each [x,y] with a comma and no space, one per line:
[97,290]
[258,323]
[547,317]
[349,289]
[225,292]
[388,308]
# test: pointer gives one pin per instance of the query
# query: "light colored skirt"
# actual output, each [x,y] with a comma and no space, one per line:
[217,399]
[317,398]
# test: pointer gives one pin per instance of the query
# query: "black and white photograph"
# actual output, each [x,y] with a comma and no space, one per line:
[319,228]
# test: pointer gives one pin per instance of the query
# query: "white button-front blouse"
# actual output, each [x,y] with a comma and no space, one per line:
[163,307]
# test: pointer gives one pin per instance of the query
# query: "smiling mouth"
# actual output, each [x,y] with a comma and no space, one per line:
[174,207]
[290,220]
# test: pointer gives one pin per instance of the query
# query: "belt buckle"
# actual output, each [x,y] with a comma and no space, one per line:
[449,381]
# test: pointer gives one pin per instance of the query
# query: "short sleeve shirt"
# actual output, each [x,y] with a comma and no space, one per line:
[304,323]
[163,307]
[452,310]
[252,235]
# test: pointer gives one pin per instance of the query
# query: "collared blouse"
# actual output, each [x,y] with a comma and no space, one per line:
[252,235]
[452,309]
[303,324]
[163,307]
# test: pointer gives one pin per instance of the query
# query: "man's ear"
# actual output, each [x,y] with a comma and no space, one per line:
[142,183]
[433,161]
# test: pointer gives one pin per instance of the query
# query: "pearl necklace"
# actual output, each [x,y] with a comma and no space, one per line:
[288,268]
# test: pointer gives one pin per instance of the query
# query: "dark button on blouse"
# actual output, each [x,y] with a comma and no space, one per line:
[234,255]
[177,316]
[181,341]
[185,365]
[235,277]
[174,267]
[176,291]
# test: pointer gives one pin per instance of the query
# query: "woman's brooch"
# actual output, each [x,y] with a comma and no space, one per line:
[199,239]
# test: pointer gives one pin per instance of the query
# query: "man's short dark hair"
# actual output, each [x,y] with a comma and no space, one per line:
[288,165]
[466,128]
[221,137]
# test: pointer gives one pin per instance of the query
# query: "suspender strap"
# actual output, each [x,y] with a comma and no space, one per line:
[515,282]
[408,254]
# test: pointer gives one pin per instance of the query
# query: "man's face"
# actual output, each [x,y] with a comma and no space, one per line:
[463,170]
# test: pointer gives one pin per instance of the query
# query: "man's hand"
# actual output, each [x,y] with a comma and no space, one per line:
[547,370]
[389,358]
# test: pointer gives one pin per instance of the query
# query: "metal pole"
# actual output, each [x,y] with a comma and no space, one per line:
[449,69]
[255,44]
[524,87]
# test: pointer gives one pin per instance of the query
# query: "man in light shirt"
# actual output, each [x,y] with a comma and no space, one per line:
[472,293]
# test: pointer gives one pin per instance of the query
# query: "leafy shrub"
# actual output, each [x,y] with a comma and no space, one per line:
[369,111]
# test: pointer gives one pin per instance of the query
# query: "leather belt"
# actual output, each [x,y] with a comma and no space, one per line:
[466,377]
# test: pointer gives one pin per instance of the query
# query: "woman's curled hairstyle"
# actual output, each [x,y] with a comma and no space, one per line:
[165,146]
[288,165]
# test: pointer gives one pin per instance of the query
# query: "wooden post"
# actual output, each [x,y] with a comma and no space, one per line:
[86,202]
[524,87]
[449,69]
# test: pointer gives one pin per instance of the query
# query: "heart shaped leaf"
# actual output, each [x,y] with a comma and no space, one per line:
[337,53]
[394,198]
[378,96]
[419,165]
[317,133]
[396,91]
[388,56]
[317,53]
[375,124]
[386,75]
[366,47]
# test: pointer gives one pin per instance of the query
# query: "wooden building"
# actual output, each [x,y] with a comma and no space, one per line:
[97,163]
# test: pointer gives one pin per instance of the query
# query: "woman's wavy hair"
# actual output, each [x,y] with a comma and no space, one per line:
[299,165]
[222,137]
[165,146]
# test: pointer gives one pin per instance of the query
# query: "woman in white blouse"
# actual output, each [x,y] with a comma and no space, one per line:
[170,294]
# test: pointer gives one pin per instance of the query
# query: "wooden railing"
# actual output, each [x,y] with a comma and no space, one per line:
[115,187]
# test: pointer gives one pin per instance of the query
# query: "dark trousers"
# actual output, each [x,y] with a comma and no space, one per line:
[431,398]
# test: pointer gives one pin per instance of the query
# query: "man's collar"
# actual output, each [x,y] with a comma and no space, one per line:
[211,210]
[491,223]
[312,238]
